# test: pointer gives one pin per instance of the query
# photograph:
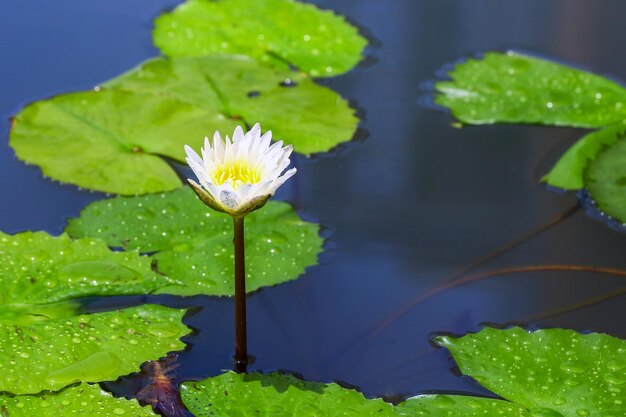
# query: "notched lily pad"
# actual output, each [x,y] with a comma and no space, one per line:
[298,111]
[193,244]
[279,32]
[276,395]
[552,372]
[111,141]
[568,173]
[516,88]
[83,400]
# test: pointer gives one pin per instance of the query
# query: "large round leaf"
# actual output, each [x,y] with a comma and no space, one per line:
[309,116]
[111,141]
[552,372]
[568,173]
[516,88]
[78,401]
[277,31]
[49,354]
[36,268]
[276,395]
[605,179]
[193,244]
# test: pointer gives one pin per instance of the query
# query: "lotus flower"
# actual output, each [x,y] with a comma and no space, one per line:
[238,176]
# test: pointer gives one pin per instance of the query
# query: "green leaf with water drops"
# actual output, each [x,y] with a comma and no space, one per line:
[51,353]
[516,88]
[193,244]
[36,268]
[605,180]
[82,400]
[279,32]
[459,406]
[553,372]
[112,141]
[276,395]
[568,173]
[300,112]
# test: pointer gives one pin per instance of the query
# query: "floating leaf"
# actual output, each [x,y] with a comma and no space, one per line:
[78,401]
[193,244]
[516,88]
[568,173]
[111,141]
[552,373]
[50,354]
[36,268]
[276,395]
[43,334]
[277,31]
[605,180]
[460,406]
[309,116]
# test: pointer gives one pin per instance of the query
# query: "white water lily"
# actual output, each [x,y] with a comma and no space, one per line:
[238,176]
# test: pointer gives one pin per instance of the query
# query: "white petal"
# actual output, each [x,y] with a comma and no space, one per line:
[228,197]
[281,180]
[193,155]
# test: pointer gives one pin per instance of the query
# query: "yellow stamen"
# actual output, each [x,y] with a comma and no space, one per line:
[238,172]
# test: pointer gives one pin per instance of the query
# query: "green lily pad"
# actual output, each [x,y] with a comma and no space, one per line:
[78,401]
[36,268]
[46,342]
[111,141]
[605,180]
[298,111]
[516,88]
[193,244]
[568,173]
[281,395]
[276,395]
[50,354]
[552,373]
[459,406]
[280,32]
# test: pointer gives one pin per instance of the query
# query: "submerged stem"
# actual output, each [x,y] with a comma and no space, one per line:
[241,338]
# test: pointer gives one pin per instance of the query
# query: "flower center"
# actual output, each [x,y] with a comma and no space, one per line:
[238,172]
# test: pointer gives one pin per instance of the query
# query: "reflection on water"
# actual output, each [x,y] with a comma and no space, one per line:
[408,207]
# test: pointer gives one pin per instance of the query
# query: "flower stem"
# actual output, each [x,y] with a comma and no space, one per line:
[241,339]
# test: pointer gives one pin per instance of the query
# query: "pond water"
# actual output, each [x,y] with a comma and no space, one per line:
[404,209]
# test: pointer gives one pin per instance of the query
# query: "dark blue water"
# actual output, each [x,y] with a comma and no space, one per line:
[409,206]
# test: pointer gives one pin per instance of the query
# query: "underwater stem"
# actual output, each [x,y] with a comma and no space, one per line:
[241,338]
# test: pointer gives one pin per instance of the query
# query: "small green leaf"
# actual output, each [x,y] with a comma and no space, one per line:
[552,372]
[276,31]
[36,268]
[276,395]
[459,406]
[309,116]
[516,88]
[605,180]
[193,244]
[50,354]
[568,173]
[111,141]
[78,401]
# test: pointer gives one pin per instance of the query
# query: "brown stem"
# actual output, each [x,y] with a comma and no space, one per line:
[577,306]
[241,338]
